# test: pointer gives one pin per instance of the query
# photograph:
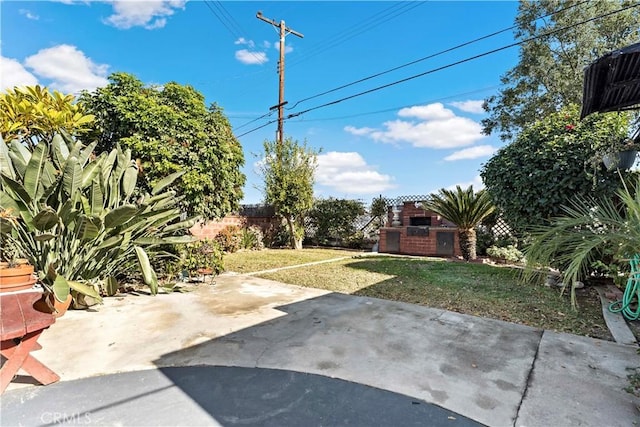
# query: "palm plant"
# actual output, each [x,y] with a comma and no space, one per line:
[466,210]
[589,228]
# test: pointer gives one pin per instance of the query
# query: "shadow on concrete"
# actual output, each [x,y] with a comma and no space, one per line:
[453,361]
[214,395]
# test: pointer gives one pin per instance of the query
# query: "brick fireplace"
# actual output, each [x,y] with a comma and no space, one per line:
[419,232]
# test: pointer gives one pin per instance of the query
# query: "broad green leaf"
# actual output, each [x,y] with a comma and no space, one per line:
[44,237]
[85,289]
[61,288]
[19,165]
[17,188]
[111,286]
[6,225]
[148,275]
[60,150]
[85,153]
[46,219]
[129,180]
[6,165]
[88,228]
[96,197]
[33,174]
[119,216]
[111,242]
[165,240]
[165,182]
[186,224]
[71,176]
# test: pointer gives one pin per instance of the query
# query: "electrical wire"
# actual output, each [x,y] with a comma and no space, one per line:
[424,58]
[462,61]
[357,29]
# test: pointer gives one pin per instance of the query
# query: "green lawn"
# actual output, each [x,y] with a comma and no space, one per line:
[267,259]
[476,289]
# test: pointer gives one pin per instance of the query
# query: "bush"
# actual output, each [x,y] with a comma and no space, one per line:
[484,240]
[252,238]
[76,217]
[509,253]
[278,237]
[202,254]
[230,238]
[334,220]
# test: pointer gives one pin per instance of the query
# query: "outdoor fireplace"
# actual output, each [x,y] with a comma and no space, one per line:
[416,231]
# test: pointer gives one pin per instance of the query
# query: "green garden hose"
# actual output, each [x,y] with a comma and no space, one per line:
[631,292]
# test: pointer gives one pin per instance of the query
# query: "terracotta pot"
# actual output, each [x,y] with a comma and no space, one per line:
[49,304]
[16,278]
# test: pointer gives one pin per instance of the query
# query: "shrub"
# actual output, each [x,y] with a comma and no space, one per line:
[75,216]
[334,219]
[201,254]
[252,238]
[230,238]
[509,253]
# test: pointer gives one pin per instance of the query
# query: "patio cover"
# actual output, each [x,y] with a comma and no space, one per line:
[612,82]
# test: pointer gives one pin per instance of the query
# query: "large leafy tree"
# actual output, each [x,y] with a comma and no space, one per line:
[288,170]
[466,209]
[549,73]
[34,113]
[169,129]
[335,219]
[551,161]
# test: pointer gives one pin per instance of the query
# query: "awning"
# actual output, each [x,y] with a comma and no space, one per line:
[612,82]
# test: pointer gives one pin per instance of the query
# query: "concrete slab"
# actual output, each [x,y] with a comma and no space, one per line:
[579,381]
[475,367]
[219,396]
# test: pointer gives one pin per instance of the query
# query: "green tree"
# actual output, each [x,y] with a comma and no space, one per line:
[378,211]
[334,219]
[168,129]
[549,74]
[551,161]
[589,227]
[34,113]
[288,171]
[466,210]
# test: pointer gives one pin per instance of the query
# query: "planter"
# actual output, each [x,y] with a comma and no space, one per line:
[621,160]
[49,304]
[17,278]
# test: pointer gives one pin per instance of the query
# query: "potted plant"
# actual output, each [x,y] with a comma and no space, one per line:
[621,154]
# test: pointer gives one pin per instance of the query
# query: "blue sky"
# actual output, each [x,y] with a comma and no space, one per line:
[409,138]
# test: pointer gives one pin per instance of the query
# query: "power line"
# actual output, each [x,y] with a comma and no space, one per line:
[428,57]
[386,110]
[354,31]
[255,120]
[462,61]
[292,115]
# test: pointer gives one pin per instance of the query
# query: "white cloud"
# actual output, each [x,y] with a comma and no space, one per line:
[68,68]
[349,173]
[476,182]
[28,14]
[358,131]
[244,41]
[427,112]
[149,14]
[471,153]
[14,74]
[436,127]
[266,44]
[469,106]
[251,57]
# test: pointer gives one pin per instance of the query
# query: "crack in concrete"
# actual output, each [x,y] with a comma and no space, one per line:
[529,378]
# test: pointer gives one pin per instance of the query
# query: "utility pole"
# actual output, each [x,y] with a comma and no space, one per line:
[284,30]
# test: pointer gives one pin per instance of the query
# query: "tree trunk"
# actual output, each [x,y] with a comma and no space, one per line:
[295,242]
[468,244]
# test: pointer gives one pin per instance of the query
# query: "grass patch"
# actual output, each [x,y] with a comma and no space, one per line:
[267,259]
[475,289]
